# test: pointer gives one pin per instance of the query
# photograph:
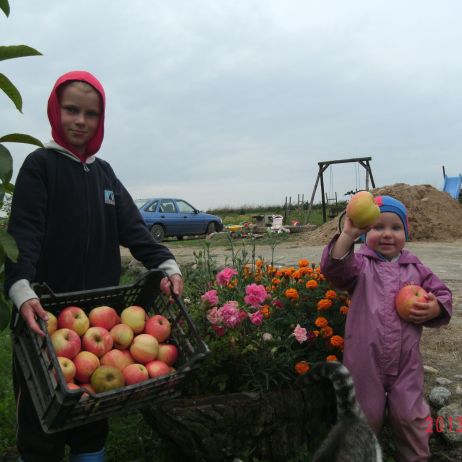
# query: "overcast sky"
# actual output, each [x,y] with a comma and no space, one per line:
[226,103]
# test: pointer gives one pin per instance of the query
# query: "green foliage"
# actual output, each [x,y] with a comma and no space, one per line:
[8,246]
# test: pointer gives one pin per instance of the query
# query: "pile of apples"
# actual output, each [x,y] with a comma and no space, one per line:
[103,351]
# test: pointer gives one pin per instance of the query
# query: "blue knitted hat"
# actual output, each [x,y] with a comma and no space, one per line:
[390,204]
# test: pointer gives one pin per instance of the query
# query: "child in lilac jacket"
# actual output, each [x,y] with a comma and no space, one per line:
[381,350]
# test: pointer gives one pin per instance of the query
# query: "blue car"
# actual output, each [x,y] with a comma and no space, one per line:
[175,217]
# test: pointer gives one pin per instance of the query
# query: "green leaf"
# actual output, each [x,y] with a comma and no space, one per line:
[5,7]
[17,51]
[5,310]
[9,245]
[6,164]
[11,91]
[20,138]
[8,187]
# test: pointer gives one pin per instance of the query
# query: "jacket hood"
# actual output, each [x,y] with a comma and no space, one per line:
[54,113]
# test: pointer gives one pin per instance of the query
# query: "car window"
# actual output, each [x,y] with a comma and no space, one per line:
[184,207]
[152,207]
[167,206]
[140,202]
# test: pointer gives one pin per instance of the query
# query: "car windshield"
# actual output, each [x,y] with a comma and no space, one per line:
[140,202]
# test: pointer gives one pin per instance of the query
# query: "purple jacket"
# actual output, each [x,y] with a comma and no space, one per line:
[373,326]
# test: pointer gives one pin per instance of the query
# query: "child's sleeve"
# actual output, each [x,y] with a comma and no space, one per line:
[342,272]
[437,287]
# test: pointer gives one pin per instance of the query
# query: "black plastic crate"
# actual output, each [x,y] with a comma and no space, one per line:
[59,407]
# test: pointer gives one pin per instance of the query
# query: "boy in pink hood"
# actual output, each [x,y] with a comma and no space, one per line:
[381,350]
[70,214]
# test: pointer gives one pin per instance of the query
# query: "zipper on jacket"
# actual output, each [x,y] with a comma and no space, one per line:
[87,240]
[85,167]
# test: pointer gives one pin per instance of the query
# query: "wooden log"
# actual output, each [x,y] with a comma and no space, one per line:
[271,426]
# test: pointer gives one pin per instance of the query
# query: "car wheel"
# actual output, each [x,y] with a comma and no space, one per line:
[211,228]
[158,233]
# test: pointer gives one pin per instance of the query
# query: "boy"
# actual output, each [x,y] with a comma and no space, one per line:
[69,216]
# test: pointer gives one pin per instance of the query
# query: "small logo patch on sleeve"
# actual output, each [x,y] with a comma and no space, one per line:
[109,197]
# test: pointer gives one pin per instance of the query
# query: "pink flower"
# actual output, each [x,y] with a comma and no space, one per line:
[210,298]
[255,295]
[230,314]
[256,318]
[214,316]
[219,330]
[300,334]
[225,275]
[278,303]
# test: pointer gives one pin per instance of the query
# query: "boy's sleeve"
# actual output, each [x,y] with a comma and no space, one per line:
[342,272]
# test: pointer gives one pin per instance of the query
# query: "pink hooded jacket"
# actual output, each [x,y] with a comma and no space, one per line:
[373,327]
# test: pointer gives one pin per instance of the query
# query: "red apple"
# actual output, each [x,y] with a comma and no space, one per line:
[103,316]
[52,323]
[73,317]
[85,364]
[66,342]
[97,340]
[167,353]
[73,386]
[117,359]
[362,210]
[107,378]
[135,373]
[144,348]
[406,297]
[135,317]
[158,326]
[122,336]
[67,368]
[157,368]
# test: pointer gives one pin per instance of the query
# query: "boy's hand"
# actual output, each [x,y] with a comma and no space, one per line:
[425,311]
[174,282]
[30,310]
[347,238]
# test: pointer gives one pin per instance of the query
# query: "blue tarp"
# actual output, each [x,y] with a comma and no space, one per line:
[452,185]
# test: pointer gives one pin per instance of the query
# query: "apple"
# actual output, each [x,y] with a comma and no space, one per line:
[167,353]
[66,342]
[73,386]
[117,359]
[87,387]
[144,348]
[97,340]
[135,373]
[157,368]
[103,316]
[107,378]
[122,335]
[52,323]
[73,317]
[135,317]
[85,364]
[158,326]
[362,210]
[67,368]
[406,297]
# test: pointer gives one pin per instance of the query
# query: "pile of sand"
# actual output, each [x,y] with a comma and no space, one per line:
[433,215]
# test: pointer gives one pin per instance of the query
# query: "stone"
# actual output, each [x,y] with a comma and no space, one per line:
[439,397]
[450,423]
[430,370]
[443,381]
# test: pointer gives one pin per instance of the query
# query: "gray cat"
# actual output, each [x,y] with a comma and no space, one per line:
[351,439]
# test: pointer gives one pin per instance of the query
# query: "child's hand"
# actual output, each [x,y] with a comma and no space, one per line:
[347,238]
[352,231]
[425,311]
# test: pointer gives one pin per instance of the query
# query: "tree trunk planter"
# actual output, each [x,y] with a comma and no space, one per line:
[271,426]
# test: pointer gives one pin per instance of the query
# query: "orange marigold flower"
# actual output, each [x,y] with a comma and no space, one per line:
[265,311]
[336,341]
[258,263]
[302,367]
[316,332]
[276,281]
[291,293]
[303,262]
[305,270]
[324,304]
[331,294]
[296,274]
[311,284]
[327,331]
[344,309]
[331,358]
[321,322]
